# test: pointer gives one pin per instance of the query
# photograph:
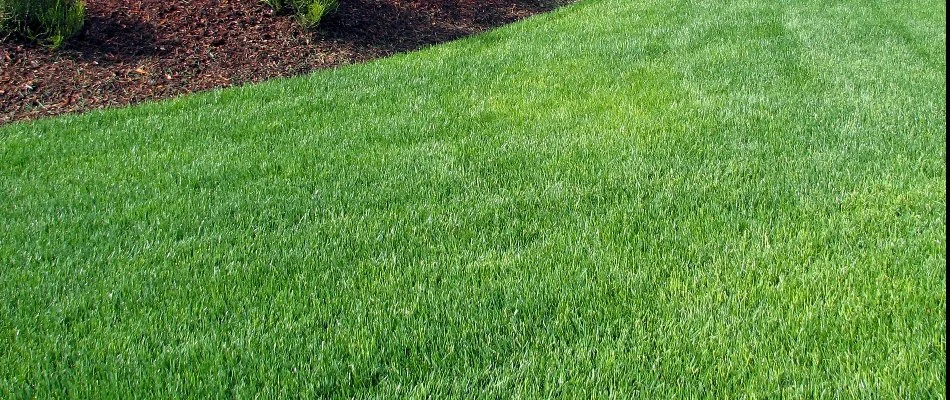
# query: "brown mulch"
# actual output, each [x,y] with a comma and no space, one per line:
[131,51]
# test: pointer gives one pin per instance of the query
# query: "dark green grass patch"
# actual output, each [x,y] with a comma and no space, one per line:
[50,22]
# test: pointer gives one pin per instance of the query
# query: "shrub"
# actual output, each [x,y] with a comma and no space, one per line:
[309,12]
[50,22]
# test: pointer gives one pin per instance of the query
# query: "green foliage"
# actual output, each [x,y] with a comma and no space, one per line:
[309,12]
[313,11]
[50,22]
[275,4]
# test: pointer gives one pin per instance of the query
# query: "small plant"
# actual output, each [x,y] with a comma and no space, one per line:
[275,4]
[308,12]
[50,22]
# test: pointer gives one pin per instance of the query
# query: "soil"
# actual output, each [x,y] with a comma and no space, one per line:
[131,51]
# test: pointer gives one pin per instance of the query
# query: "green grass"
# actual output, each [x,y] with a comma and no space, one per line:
[664,199]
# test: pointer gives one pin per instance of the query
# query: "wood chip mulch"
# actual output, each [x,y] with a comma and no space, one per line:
[131,51]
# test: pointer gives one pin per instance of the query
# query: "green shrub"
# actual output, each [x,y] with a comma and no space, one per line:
[309,12]
[50,22]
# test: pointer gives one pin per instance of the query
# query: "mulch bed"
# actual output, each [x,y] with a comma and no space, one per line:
[131,51]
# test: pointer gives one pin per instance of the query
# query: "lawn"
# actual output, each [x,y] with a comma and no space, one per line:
[619,198]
